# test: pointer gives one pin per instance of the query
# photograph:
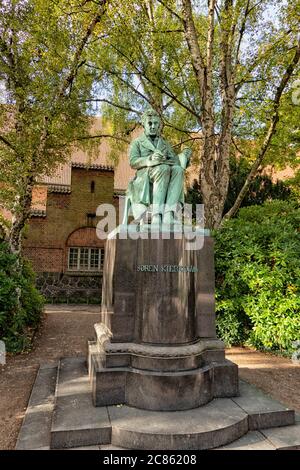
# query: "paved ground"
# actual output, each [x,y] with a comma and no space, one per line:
[64,332]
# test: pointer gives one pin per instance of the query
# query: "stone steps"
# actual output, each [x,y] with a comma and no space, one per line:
[212,425]
[36,426]
[76,422]
[224,423]
[263,411]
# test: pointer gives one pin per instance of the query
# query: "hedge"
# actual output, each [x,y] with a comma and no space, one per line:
[17,319]
[258,277]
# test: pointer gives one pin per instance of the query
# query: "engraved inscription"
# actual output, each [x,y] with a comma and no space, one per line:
[166,268]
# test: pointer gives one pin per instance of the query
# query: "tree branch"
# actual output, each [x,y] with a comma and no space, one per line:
[184,131]
[7,143]
[116,105]
[257,60]
[237,147]
[184,83]
[4,231]
[193,44]
[227,30]
[187,140]
[165,31]
[170,10]
[271,130]
[165,90]
[103,136]
[67,82]
[210,35]
[128,84]
[242,31]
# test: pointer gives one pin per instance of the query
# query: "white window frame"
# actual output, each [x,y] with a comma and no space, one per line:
[88,268]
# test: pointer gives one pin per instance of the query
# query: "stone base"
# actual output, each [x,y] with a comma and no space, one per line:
[156,346]
[67,418]
[165,378]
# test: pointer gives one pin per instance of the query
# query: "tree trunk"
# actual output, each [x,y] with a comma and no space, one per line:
[20,217]
[155,95]
[228,95]
[213,193]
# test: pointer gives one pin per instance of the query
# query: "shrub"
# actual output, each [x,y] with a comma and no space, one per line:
[258,277]
[17,318]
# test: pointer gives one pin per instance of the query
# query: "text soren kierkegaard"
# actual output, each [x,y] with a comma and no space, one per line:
[166,268]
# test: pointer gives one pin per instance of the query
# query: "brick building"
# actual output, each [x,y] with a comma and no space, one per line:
[61,240]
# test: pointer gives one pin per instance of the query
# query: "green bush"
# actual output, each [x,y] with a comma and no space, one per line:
[17,318]
[258,277]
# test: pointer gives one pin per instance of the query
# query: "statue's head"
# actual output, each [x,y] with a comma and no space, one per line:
[151,122]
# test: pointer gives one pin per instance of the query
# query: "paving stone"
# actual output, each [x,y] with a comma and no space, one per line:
[263,411]
[217,423]
[111,447]
[35,430]
[253,440]
[287,438]
[76,422]
[85,448]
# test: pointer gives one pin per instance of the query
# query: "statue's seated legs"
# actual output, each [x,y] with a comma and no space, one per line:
[159,177]
[167,191]
[174,194]
[166,183]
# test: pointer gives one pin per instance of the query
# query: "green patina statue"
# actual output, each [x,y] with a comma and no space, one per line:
[159,179]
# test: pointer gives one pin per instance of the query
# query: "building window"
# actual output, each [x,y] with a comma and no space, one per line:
[86,259]
[90,219]
[92,186]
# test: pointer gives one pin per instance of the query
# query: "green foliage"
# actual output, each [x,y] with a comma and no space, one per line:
[258,277]
[294,184]
[45,89]
[261,189]
[16,320]
[145,60]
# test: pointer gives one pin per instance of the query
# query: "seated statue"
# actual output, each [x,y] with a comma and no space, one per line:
[159,180]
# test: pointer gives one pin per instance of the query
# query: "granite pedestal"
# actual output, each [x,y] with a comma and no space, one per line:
[155,347]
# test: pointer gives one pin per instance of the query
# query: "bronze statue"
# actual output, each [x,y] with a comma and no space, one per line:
[159,179]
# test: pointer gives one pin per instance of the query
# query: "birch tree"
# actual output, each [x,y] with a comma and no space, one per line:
[45,86]
[218,59]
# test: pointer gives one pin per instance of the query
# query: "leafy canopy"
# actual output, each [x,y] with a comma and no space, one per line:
[45,85]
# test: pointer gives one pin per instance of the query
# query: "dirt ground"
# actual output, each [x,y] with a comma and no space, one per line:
[64,332]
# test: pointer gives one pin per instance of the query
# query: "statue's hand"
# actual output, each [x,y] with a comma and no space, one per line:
[158,157]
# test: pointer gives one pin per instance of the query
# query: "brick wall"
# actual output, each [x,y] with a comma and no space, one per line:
[66,224]
[47,238]
[45,259]
[85,236]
